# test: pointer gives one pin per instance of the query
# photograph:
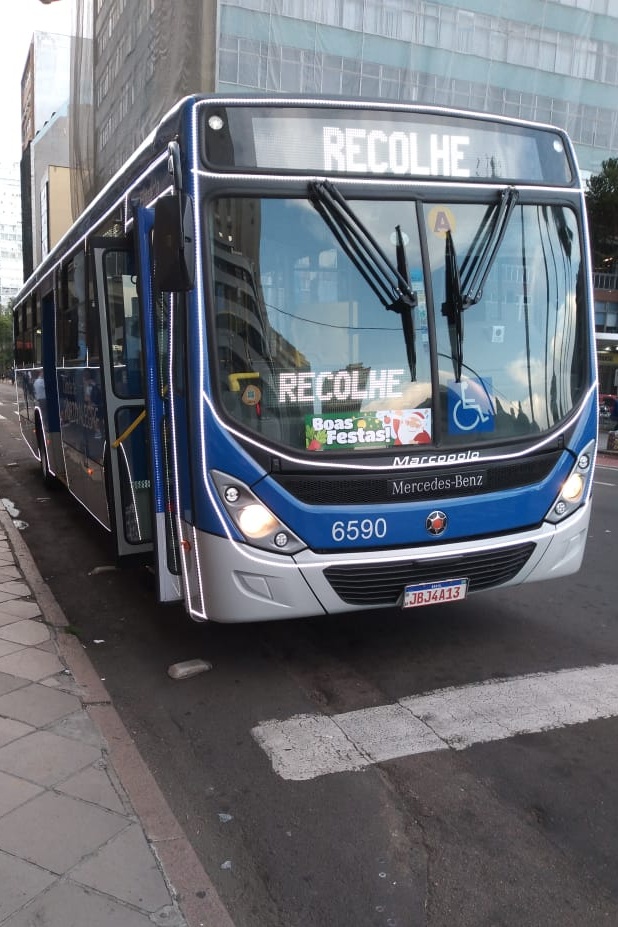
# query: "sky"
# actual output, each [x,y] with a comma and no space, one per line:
[26,17]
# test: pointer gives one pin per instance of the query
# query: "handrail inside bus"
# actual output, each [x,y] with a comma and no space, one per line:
[140,418]
[125,434]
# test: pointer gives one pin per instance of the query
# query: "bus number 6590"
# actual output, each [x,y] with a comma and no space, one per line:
[354,528]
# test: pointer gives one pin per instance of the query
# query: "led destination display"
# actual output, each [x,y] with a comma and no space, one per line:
[416,144]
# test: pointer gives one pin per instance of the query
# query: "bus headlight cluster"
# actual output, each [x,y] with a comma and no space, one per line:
[575,487]
[255,521]
[257,524]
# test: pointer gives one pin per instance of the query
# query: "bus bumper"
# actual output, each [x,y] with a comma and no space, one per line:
[238,583]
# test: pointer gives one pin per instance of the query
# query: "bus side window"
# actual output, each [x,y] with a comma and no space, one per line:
[25,333]
[72,322]
[124,323]
[133,352]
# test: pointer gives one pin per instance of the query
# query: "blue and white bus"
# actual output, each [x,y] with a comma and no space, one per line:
[319,355]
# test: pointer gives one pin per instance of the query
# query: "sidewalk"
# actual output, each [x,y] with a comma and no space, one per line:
[86,837]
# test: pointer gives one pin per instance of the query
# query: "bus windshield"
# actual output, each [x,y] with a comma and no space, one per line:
[310,358]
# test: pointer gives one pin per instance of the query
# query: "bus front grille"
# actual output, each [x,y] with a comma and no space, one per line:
[383,583]
[360,489]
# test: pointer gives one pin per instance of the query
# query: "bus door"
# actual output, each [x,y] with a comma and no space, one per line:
[138,475]
[155,313]
[127,471]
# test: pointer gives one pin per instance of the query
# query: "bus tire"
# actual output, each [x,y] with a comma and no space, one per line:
[48,478]
[109,490]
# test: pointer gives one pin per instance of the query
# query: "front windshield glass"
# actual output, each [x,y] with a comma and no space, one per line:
[523,350]
[311,357]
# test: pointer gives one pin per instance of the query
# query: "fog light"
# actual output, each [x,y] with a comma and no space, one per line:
[232,494]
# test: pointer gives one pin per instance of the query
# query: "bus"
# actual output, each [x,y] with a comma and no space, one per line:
[309,356]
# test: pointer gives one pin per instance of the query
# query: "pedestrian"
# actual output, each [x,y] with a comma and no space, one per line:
[38,393]
[615,414]
[38,387]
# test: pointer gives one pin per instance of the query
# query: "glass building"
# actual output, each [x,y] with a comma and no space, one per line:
[11,272]
[552,61]
[545,61]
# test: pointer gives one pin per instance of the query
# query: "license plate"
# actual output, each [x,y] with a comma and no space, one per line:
[449,590]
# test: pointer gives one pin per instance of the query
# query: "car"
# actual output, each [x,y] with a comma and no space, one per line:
[606,401]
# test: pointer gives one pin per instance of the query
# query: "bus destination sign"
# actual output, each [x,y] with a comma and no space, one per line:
[381,143]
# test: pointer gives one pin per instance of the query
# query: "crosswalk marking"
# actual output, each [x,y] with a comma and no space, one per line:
[307,746]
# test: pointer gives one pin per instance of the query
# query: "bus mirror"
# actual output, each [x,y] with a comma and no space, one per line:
[174,243]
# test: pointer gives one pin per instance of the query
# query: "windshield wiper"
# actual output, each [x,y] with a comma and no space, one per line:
[453,305]
[474,270]
[389,283]
[404,308]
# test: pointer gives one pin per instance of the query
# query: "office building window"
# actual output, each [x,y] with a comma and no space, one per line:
[606,316]
[268,66]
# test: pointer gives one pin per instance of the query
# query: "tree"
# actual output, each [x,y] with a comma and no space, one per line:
[6,339]
[602,208]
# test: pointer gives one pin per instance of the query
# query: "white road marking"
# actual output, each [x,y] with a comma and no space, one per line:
[308,746]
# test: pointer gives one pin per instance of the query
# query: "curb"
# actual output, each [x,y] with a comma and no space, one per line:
[196,895]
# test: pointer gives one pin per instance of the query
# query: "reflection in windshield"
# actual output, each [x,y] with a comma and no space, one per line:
[307,354]
[474,270]
[526,347]
[390,284]
[309,359]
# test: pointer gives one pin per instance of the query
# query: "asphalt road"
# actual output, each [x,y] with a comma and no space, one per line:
[517,830]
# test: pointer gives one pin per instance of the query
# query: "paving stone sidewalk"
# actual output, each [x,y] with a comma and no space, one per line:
[74,850]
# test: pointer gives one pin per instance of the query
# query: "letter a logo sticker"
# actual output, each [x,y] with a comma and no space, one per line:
[440,220]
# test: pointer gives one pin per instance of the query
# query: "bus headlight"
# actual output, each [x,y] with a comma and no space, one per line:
[255,521]
[574,488]
[257,524]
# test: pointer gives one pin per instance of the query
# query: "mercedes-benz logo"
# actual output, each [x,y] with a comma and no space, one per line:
[436,523]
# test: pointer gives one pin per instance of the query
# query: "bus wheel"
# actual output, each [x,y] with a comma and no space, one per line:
[48,478]
[109,489]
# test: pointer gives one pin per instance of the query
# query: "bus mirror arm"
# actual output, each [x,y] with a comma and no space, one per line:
[174,166]
[174,243]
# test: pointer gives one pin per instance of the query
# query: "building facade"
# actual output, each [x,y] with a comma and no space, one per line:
[11,271]
[540,59]
[45,92]
[606,324]
[45,83]
[552,61]
[49,184]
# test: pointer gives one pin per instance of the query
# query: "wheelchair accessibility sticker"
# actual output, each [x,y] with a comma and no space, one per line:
[470,406]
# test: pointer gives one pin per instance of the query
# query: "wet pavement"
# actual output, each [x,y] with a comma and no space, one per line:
[86,837]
